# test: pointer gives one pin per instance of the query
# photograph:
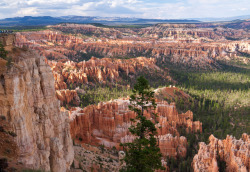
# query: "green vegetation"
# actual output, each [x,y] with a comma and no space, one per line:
[97,94]
[24,28]
[143,154]
[226,87]
[240,62]
[244,54]
[101,32]
[3,53]
[135,54]
[232,38]
[106,92]
[221,164]
[80,56]
[220,100]
[9,61]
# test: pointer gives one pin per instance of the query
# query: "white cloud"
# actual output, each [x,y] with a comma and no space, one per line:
[126,8]
[205,1]
[27,11]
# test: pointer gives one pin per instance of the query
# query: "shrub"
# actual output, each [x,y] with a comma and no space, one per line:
[12,133]
[3,53]
[2,117]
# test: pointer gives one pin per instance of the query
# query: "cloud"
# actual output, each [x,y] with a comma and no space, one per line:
[27,11]
[163,9]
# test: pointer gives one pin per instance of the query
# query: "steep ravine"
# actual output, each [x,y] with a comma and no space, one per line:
[29,103]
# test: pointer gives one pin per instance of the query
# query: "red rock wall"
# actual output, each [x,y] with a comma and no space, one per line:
[107,123]
[68,97]
[29,104]
[100,70]
[234,152]
[195,47]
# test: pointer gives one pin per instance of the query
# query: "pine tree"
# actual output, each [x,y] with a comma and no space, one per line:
[3,53]
[143,154]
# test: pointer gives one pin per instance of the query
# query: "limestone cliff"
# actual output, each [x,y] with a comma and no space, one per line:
[29,103]
[235,153]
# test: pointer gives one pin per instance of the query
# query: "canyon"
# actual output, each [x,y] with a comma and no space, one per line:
[43,89]
[180,45]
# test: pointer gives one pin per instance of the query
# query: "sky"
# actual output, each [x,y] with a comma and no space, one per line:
[157,9]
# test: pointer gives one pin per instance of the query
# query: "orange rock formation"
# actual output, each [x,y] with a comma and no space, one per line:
[29,104]
[107,123]
[234,152]
[68,97]
[101,70]
[195,47]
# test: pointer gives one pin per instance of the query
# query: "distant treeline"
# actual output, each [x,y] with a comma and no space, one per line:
[6,31]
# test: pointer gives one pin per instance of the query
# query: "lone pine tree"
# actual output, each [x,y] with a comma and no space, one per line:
[143,154]
[3,53]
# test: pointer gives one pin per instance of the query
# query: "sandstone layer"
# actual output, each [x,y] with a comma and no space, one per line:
[107,124]
[71,74]
[68,97]
[235,153]
[29,104]
[178,44]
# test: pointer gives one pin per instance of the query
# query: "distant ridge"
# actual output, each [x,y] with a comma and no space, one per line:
[223,18]
[48,20]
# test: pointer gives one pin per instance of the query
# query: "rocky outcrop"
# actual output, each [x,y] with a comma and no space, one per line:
[7,39]
[235,153]
[156,31]
[92,158]
[91,30]
[29,104]
[170,93]
[107,123]
[103,71]
[192,30]
[68,97]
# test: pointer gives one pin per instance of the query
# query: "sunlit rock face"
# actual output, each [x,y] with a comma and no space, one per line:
[189,45]
[192,31]
[102,71]
[230,150]
[107,123]
[28,101]
[7,39]
[68,96]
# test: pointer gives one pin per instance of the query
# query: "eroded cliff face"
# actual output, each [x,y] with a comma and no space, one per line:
[28,101]
[103,71]
[235,153]
[192,30]
[68,96]
[179,45]
[107,124]
[156,31]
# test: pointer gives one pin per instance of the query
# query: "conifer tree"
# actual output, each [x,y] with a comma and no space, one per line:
[143,154]
[3,53]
